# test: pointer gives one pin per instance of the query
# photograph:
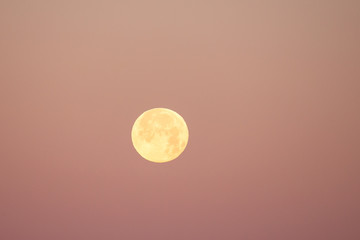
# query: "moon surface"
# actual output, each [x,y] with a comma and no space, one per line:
[160,135]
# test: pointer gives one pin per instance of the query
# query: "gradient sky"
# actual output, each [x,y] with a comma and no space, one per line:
[270,91]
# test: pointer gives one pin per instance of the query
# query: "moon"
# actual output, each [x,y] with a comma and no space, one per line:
[160,135]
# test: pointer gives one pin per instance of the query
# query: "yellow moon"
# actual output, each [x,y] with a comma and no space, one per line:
[160,135]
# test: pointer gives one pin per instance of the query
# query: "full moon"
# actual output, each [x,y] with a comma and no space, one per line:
[160,135]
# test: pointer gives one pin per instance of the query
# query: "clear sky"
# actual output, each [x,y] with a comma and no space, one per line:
[269,90]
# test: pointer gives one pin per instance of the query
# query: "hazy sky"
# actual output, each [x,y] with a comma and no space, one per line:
[270,91]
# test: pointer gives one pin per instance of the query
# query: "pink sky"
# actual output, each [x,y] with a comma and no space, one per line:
[269,90]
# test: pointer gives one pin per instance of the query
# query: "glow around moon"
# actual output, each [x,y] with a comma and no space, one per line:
[160,135]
